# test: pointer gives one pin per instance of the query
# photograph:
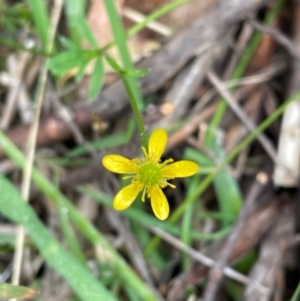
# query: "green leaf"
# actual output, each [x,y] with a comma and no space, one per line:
[80,73]
[86,32]
[8,291]
[62,63]
[68,44]
[137,73]
[227,188]
[78,276]
[41,19]
[114,64]
[148,220]
[199,157]
[96,79]
[77,25]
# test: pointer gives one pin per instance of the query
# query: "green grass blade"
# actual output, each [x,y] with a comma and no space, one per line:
[96,80]
[65,61]
[79,277]
[186,236]
[199,157]
[41,19]
[70,236]
[86,32]
[74,11]
[123,271]
[227,189]
[134,106]
[228,194]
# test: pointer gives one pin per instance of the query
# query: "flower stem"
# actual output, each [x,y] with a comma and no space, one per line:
[136,112]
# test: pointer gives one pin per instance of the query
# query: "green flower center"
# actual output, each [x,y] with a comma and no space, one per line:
[150,174]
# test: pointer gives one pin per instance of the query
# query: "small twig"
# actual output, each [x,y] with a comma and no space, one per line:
[278,36]
[216,273]
[265,142]
[243,39]
[32,143]
[205,260]
[265,75]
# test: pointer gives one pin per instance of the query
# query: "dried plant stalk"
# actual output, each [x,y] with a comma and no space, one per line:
[287,173]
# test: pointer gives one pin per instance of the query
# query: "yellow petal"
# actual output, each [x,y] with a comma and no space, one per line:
[180,169]
[127,195]
[159,203]
[119,164]
[157,144]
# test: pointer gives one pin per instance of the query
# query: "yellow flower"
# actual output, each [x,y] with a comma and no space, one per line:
[149,175]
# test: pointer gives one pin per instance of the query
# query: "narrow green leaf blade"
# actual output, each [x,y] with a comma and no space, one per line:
[78,27]
[113,64]
[68,44]
[228,192]
[41,19]
[62,63]
[96,79]
[79,277]
[199,157]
